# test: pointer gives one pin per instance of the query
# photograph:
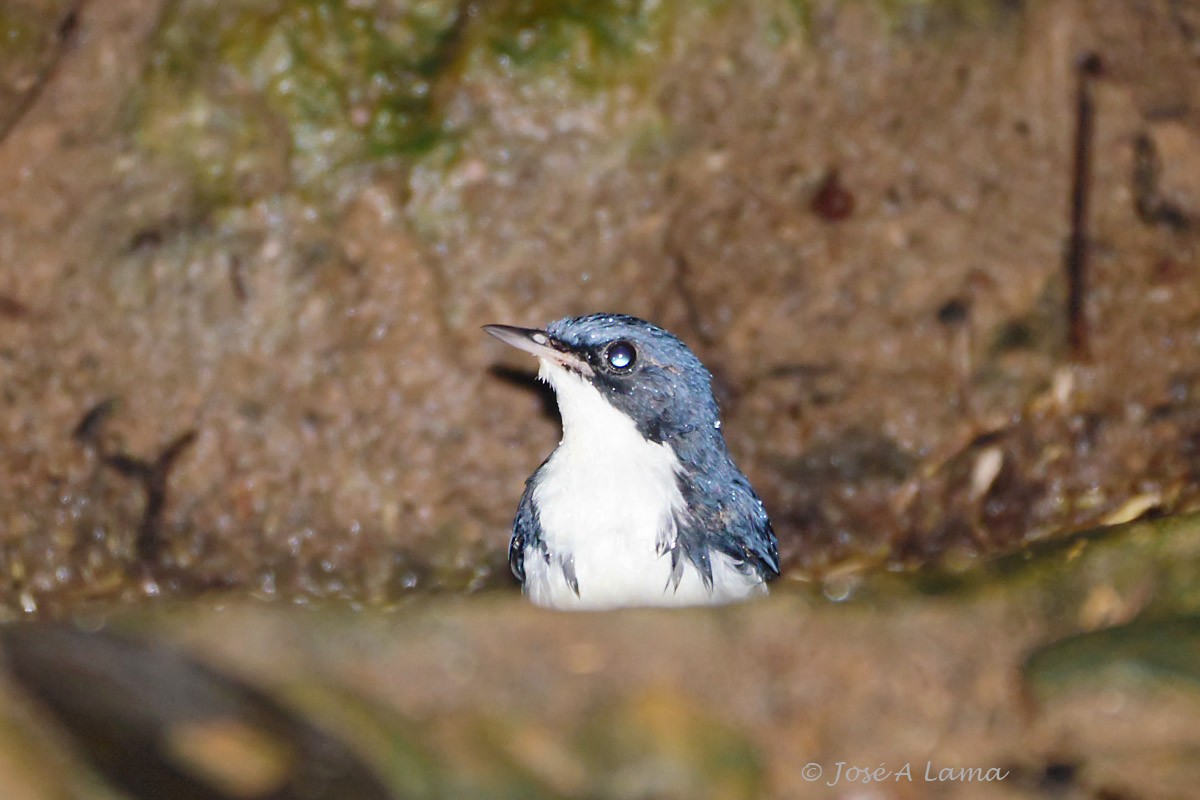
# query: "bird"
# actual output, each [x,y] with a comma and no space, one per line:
[640,504]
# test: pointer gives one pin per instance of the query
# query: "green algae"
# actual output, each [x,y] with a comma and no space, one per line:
[584,35]
[251,99]
[1144,652]
[256,98]
[296,90]
[1148,567]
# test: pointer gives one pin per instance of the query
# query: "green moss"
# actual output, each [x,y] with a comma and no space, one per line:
[236,87]
[1145,651]
[254,97]
[1157,561]
[582,35]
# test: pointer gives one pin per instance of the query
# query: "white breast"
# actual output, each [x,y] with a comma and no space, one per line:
[605,499]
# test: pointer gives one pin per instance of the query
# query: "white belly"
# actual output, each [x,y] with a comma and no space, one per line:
[606,499]
[633,582]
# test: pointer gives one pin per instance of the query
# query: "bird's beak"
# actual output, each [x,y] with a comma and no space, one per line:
[540,344]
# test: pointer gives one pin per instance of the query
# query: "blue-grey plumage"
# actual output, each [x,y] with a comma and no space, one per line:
[641,503]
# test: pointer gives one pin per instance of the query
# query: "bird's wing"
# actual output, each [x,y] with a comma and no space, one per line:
[527,531]
[759,545]
[730,520]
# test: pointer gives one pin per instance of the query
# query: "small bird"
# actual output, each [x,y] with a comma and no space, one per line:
[640,504]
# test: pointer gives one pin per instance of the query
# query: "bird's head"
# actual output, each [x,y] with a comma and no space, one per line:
[639,369]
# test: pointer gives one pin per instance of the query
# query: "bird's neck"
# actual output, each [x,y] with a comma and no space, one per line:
[589,421]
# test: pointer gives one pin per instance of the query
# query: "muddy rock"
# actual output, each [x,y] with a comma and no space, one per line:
[1067,668]
[279,226]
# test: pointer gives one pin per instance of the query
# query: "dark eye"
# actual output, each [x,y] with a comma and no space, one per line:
[620,356]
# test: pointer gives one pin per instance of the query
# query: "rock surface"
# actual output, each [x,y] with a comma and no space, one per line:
[279,226]
[1026,671]
[245,249]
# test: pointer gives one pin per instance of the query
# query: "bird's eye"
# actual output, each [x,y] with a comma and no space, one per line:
[620,356]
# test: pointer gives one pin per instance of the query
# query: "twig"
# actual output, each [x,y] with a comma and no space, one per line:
[87,431]
[152,475]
